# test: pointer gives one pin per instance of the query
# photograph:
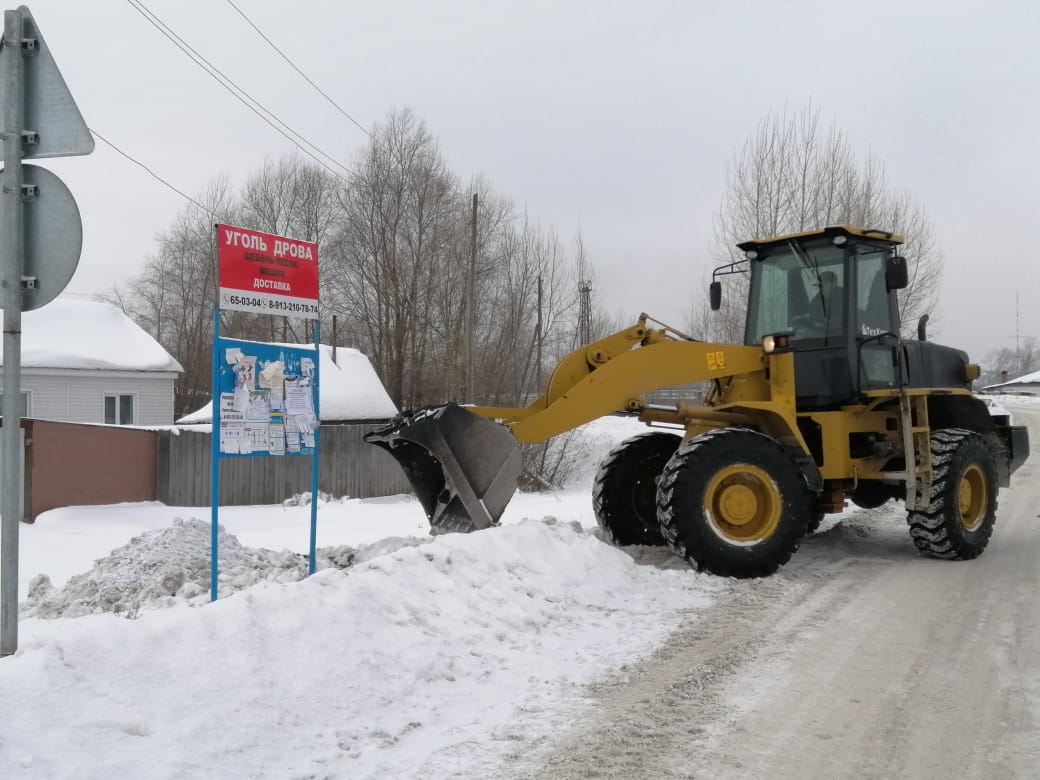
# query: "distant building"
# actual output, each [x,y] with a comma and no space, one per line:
[1023,385]
[88,362]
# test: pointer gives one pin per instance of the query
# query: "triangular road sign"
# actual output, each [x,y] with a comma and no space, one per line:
[50,111]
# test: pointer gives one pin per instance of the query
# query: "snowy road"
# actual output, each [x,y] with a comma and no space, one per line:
[860,659]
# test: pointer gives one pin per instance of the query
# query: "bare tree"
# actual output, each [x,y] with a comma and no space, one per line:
[400,264]
[794,175]
[1023,358]
[288,197]
[490,271]
[527,257]
[391,247]
[173,296]
[395,248]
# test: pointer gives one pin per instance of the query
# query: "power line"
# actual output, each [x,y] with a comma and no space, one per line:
[152,173]
[236,91]
[293,65]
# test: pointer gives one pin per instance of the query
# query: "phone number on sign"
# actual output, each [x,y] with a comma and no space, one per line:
[290,306]
[244,300]
[261,303]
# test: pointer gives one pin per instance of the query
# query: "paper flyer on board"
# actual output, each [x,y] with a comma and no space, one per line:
[266,399]
[276,431]
[231,434]
[298,397]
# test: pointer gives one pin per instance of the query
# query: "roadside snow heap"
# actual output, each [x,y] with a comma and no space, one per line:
[171,566]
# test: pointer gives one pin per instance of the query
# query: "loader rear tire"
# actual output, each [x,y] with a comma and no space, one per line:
[963,503]
[733,502]
[624,495]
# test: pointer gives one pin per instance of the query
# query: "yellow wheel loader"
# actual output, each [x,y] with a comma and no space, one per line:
[823,402]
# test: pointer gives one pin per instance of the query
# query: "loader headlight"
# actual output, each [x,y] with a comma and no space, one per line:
[775,341]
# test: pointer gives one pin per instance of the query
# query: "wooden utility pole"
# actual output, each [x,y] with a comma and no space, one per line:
[538,344]
[471,305]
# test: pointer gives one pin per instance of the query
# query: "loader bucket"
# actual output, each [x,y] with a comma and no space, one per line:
[464,468]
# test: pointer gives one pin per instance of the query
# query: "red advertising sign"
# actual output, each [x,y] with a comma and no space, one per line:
[267,274]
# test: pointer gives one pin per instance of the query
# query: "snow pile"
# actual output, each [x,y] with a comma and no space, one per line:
[448,658]
[1012,399]
[171,566]
[161,568]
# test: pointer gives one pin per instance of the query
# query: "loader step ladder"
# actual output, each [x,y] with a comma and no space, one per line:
[917,448]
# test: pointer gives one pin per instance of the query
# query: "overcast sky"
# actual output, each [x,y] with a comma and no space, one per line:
[615,119]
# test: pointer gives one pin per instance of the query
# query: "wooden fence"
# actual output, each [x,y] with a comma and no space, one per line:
[348,467]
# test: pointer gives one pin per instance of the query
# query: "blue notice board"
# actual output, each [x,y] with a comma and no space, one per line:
[268,399]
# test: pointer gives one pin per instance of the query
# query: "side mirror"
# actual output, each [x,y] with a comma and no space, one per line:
[715,294]
[896,277]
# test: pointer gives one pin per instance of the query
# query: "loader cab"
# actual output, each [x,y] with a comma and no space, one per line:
[832,292]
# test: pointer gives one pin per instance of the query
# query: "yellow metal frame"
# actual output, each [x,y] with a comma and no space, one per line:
[848,230]
[610,375]
[749,388]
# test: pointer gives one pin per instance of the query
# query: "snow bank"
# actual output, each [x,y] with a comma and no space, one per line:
[433,659]
[171,566]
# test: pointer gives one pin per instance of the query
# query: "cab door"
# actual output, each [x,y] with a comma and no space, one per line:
[875,324]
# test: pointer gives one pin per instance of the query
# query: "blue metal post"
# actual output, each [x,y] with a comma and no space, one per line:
[214,476]
[316,390]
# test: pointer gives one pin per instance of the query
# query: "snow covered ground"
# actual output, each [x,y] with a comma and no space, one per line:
[404,656]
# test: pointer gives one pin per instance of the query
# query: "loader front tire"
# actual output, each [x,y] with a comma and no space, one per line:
[733,502]
[624,495]
[963,503]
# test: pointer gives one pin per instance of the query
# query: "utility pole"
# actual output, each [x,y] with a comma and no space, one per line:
[1018,339]
[471,304]
[538,344]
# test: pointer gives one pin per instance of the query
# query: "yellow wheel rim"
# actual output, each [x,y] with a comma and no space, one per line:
[972,497]
[743,504]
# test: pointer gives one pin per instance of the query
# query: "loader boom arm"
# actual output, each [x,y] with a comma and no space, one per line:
[609,375]
[464,463]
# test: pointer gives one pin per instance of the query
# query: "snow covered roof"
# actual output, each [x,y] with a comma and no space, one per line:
[1027,379]
[347,389]
[68,333]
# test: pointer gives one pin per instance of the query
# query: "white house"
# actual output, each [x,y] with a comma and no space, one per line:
[1023,385]
[348,389]
[88,362]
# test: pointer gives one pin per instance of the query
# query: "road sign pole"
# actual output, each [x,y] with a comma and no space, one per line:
[12,246]
[312,566]
[214,462]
